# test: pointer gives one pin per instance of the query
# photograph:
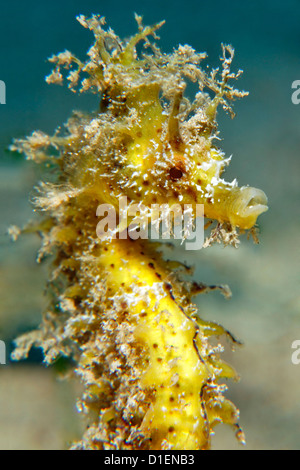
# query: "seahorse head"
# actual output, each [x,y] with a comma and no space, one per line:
[148,141]
[152,144]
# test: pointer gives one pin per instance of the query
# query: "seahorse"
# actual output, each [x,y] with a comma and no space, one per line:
[152,378]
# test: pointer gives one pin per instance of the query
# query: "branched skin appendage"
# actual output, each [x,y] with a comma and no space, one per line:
[151,378]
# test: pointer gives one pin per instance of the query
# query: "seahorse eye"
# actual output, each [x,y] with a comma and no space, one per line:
[175,173]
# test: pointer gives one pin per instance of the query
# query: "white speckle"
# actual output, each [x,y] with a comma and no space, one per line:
[215,181]
[206,166]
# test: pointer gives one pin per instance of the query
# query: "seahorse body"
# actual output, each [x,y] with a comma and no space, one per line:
[151,377]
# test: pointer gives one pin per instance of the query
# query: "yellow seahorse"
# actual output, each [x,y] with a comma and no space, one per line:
[151,378]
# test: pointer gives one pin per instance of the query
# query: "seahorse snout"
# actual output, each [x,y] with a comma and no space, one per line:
[247,206]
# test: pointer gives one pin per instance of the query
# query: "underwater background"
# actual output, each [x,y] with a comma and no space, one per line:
[36,410]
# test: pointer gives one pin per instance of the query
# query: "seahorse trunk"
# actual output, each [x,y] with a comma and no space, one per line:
[158,372]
